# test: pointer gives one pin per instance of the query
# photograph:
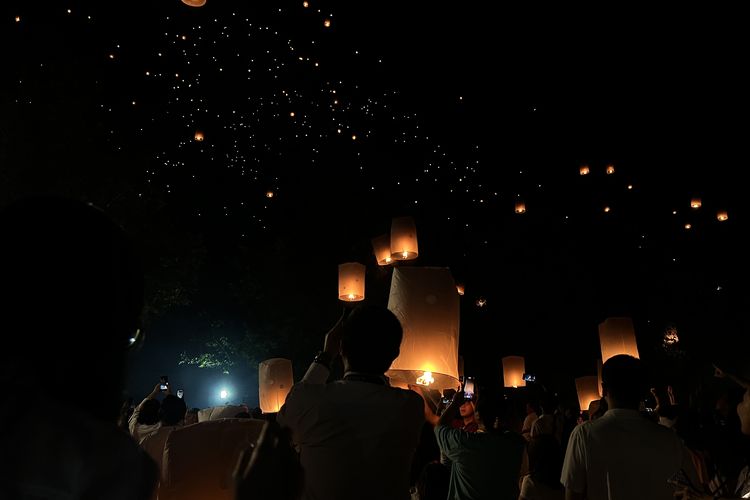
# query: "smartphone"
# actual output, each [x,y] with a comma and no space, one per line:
[164,382]
[179,393]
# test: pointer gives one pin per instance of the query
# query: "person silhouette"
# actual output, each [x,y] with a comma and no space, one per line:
[71,296]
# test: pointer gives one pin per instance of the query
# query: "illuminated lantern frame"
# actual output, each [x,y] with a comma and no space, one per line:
[722,215]
[610,169]
[617,336]
[381,247]
[404,244]
[275,379]
[425,301]
[351,282]
[584,170]
[587,390]
[198,136]
[695,203]
[520,207]
[513,369]
[194,3]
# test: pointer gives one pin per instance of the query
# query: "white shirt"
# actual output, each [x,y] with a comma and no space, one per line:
[141,431]
[356,439]
[623,456]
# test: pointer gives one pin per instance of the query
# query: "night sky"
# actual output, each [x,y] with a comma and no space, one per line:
[322,121]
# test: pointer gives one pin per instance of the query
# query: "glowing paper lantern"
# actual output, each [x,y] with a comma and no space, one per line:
[617,336]
[381,246]
[269,194]
[460,289]
[513,369]
[198,136]
[404,239]
[351,282]
[695,203]
[587,391]
[194,3]
[520,207]
[327,23]
[722,216]
[275,378]
[585,170]
[610,169]
[425,301]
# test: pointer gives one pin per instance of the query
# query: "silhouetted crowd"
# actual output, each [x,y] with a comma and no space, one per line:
[72,296]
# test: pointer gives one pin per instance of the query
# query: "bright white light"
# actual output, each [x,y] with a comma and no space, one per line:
[224,394]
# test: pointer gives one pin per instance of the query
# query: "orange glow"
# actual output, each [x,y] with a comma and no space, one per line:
[722,216]
[610,169]
[520,207]
[194,3]
[585,170]
[513,369]
[198,136]
[617,336]
[269,194]
[351,282]
[695,203]
[460,289]
[327,23]
[404,244]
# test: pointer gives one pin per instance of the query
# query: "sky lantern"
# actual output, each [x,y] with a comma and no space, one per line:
[695,203]
[722,215]
[610,169]
[327,23]
[520,207]
[275,378]
[381,246]
[269,194]
[425,301]
[617,336]
[587,391]
[584,170]
[404,239]
[460,288]
[513,369]
[351,282]
[198,136]
[194,3]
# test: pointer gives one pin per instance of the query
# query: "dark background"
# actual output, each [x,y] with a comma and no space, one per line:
[513,97]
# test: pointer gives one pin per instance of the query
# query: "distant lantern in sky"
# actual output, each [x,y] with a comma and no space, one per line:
[513,369]
[587,391]
[381,246]
[481,302]
[584,170]
[695,203]
[269,194]
[404,239]
[610,169]
[198,136]
[688,226]
[460,288]
[722,215]
[194,3]
[520,207]
[327,23]
[351,282]
[291,113]
[617,336]
[607,209]
[425,301]
[275,378]
[18,19]
[305,4]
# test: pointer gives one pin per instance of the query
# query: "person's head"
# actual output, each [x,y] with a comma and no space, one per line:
[545,460]
[172,410]
[256,413]
[466,410]
[191,416]
[488,410]
[532,407]
[624,382]
[70,286]
[371,339]
[433,482]
[149,414]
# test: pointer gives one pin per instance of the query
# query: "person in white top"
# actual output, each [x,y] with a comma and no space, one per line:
[356,436]
[623,455]
[145,418]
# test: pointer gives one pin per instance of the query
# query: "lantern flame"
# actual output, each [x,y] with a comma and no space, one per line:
[722,216]
[610,169]
[425,379]
[388,260]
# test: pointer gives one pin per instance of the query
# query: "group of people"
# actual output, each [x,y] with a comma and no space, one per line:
[72,294]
